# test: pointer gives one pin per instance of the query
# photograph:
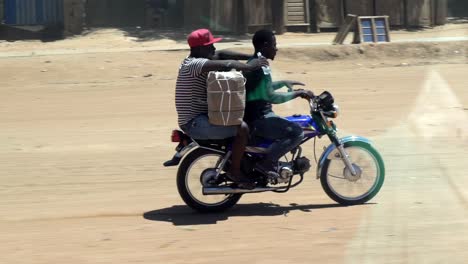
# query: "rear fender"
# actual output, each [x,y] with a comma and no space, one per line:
[181,153]
[332,153]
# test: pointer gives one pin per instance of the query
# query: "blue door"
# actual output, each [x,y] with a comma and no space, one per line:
[33,12]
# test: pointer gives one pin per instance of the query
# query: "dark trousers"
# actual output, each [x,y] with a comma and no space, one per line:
[286,135]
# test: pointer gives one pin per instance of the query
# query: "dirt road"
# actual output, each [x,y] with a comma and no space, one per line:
[84,137]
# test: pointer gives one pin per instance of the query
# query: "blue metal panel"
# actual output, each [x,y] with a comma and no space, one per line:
[25,12]
[382,38]
[10,11]
[48,12]
[53,11]
[33,12]
[40,10]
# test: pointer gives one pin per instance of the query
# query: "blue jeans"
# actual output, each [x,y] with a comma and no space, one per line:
[286,135]
[200,128]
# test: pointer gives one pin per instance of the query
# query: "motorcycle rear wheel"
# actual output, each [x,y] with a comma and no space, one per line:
[190,177]
[341,186]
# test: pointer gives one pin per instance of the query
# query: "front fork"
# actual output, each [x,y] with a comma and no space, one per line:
[344,155]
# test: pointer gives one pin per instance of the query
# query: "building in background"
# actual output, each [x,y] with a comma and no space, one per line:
[32,12]
[222,16]
[326,14]
[240,16]
[31,19]
[458,9]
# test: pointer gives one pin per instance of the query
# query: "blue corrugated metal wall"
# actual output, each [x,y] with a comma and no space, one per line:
[33,12]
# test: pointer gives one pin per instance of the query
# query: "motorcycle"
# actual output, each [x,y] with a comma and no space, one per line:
[350,169]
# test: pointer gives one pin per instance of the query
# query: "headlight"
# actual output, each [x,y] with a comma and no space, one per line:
[337,110]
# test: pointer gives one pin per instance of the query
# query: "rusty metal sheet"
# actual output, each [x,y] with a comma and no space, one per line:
[224,15]
[418,12]
[105,13]
[395,9]
[359,7]
[258,13]
[328,13]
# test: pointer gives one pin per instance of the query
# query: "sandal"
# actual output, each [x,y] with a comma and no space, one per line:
[242,181]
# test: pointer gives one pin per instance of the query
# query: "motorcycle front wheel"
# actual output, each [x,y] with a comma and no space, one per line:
[196,170]
[347,189]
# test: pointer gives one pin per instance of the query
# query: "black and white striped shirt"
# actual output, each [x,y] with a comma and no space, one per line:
[191,90]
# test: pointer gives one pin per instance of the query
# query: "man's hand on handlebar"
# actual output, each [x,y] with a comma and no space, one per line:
[305,94]
[290,84]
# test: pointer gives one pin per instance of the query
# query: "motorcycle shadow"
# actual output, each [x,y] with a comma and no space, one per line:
[180,215]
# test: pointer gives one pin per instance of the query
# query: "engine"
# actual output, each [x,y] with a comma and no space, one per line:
[301,165]
[288,169]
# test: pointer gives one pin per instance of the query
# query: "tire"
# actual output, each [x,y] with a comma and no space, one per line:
[332,167]
[192,166]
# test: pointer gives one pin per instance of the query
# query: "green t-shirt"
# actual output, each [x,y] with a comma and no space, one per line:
[261,93]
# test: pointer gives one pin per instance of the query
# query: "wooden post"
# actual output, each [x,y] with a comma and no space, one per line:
[347,26]
[387,26]
[285,13]
[307,14]
[440,12]
[374,31]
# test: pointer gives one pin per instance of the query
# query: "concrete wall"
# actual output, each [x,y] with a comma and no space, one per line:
[359,7]
[74,13]
[1,11]
[395,9]
[458,8]
[197,14]
[115,13]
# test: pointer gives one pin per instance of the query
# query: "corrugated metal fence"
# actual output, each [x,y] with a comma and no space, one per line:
[228,15]
[33,12]
[410,13]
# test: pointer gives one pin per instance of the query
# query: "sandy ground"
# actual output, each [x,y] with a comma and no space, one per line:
[84,136]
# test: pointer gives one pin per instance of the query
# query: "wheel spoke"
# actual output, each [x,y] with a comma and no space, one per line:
[194,181]
[333,176]
[353,188]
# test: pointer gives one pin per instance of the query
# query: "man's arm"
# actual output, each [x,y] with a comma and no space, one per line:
[227,65]
[265,89]
[277,85]
[281,97]
[230,55]
[280,84]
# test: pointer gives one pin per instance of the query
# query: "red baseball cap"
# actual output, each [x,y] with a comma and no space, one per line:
[201,37]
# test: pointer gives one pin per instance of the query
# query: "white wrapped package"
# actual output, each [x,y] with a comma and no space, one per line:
[226,98]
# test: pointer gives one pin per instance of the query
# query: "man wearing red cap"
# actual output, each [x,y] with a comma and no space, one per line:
[191,95]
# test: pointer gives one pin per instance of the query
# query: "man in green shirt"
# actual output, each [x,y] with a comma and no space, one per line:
[261,94]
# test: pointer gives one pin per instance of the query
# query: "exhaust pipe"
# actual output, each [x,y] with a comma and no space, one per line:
[229,190]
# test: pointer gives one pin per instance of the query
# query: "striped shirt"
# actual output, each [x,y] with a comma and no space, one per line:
[190,95]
